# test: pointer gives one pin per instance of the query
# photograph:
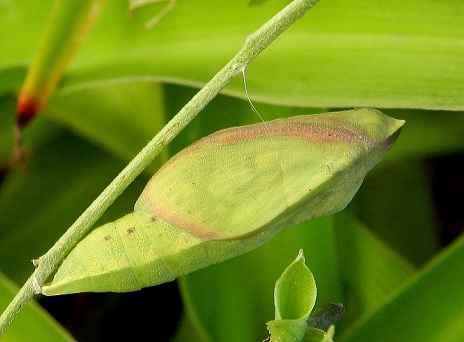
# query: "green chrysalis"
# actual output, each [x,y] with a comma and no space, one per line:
[227,194]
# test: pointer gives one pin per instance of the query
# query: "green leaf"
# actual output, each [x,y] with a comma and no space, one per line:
[121,117]
[428,134]
[344,53]
[38,206]
[316,335]
[34,324]
[294,297]
[370,271]
[397,203]
[428,308]
[287,330]
[295,291]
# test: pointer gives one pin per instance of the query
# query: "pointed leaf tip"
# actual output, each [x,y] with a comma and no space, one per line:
[295,291]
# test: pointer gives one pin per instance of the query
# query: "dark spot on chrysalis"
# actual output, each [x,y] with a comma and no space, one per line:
[153,219]
[107,238]
[130,230]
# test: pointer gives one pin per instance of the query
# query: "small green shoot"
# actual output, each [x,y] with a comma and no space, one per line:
[294,296]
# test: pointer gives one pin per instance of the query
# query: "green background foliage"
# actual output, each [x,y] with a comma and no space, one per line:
[393,258]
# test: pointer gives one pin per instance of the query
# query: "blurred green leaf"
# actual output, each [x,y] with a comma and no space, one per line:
[350,266]
[7,103]
[121,118]
[397,203]
[382,54]
[426,134]
[34,324]
[64,176]
[11,79]
[427,308]
[369,269]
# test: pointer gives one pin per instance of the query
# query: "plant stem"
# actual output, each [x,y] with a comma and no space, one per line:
[254,45]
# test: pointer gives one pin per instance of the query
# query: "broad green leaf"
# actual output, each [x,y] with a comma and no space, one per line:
[261,179]
[121,118]
[427,308]
[403,215]
[370,271]
[34,324]
[343,53]
[243,288]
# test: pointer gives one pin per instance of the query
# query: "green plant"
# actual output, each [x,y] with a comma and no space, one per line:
[126,81]
[294,298]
